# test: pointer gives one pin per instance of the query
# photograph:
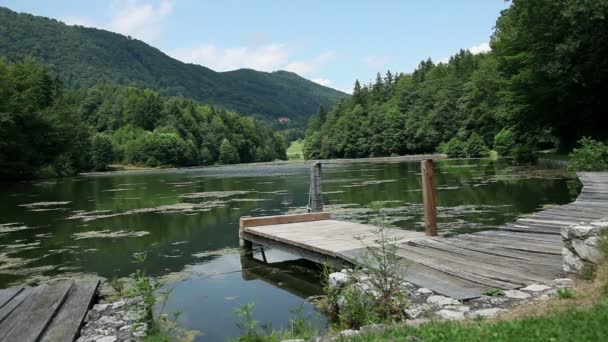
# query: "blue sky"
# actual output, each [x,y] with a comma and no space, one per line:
[330,42]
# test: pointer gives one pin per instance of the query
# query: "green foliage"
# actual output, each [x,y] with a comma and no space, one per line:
[565,293]
[476,147]
[591,155]
[504,142]
[101,152]
[295,150]
[228,154]
[455,148]
[494,293]
[524,154]
[85,57]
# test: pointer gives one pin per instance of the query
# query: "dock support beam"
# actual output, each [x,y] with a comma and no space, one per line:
[315,202]
[428,197]
[244,244]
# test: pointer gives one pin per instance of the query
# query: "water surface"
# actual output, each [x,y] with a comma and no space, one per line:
[186,221]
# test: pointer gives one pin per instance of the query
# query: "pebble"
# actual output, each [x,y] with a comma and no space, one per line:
[516,294]
[460,308]
[424,290]
[450,314]
[107,339]
[536,288]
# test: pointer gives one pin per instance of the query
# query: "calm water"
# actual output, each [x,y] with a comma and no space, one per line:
[187,223]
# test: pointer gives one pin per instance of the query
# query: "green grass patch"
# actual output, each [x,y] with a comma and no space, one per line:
[573,325]
[294,151]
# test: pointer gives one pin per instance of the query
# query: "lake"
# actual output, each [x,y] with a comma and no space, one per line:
[186,221]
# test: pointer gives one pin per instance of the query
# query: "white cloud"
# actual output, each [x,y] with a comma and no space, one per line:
[268,57]
[483,47]
[321,81]
[132,18]
[346,90]
[308,66]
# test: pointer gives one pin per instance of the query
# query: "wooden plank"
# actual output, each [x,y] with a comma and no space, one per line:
[20,309]
[423,276]
[316,192]
[66,324]
[400,159]
[548,259]
[40,313]
[7,294]
[535,248]
[9,307]
[429,197]
[283,219]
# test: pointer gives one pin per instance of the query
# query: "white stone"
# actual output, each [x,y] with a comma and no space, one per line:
[450,314]
[460,308]
[111,321]
[416,311]
[564,232]
[372,327]
[570,262]
[118,304]
[337,279]
[487,313]
[601,224]
[424,290]
[516,294]
[349,332]
[107,339]
[442,301]
[294,340]
[585,251]
[581,231]
[100,307]
[536,288]
[566,282]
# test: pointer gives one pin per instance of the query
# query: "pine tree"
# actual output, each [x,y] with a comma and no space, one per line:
[228,154]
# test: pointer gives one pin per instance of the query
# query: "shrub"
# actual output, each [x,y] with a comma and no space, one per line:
[476,147]
[565,293]
[592,155]
[504,142]
[494,293]
[455,148]
[102,152]
[155,149]
[524,154]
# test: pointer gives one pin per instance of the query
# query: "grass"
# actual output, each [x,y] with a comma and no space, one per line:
[294,151]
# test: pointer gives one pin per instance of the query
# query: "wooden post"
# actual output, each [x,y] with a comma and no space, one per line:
[316,191]
[245,244]
[428,197]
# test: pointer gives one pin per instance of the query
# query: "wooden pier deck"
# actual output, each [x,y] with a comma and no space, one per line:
[518,254]
[49,312]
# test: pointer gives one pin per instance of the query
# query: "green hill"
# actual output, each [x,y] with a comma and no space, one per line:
[84,57]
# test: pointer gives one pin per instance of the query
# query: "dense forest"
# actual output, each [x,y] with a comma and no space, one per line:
[47,130]
[543,84]
[85,57]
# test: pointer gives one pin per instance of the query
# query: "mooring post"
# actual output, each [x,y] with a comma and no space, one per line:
[316,192]
[245,244]
[428,197]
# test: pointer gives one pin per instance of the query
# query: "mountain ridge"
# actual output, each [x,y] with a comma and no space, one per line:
[86,56]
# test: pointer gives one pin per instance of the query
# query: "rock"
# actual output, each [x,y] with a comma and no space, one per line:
[586,251]
[294,340]
[100,307]
[442,301]
[118,304]
[450,314]
[110,321]
[536,288]
[565,282]
[337,279]
[424,290]
[107,339]
[564,232]
[571,263]
[487,313]
[601,224]
[372,327]
[460,308]
[349,332]
[516,294]
[415,322]
[415,312]
[581,231]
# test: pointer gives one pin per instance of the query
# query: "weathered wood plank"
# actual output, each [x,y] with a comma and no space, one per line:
[20,311]
[66,324]
[429,199]
[7,294]
[9,307]
[41,311]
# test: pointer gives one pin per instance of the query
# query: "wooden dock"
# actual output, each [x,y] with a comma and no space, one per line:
[49,312]
[527,251]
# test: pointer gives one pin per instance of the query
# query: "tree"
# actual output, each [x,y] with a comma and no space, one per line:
[228,154]
[101,152]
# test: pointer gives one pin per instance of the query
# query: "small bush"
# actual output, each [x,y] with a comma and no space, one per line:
[565,293]
[504,142]
[476,147]
[455,148]
[525,154]
[102,152]
[494,293]
[592,155]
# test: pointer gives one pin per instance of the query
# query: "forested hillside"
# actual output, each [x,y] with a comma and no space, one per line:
[544,84]
[48,131]
[85,57]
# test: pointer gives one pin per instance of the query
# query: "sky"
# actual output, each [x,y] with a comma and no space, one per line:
[331,42]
